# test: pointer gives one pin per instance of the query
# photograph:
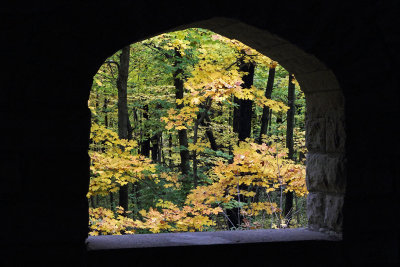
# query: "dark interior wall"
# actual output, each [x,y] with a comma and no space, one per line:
[50,51]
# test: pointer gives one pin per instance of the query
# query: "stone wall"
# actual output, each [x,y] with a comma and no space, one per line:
[344,55]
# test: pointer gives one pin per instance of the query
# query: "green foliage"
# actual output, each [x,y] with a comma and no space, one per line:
[209,64]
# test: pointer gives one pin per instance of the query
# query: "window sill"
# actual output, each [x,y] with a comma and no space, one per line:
[110,242]
[282,247]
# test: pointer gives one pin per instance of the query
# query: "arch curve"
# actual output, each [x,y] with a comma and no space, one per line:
[325,124]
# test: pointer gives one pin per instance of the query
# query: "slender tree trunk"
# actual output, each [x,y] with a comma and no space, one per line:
[123,118]
[136,190]
[160,149]
[155,142]
[130,130]
[170,149]
[236,115]
[145,144]
[242,117]
[96,199]
[112,206]
[105,111]
[231,122]
[135,115]
[266,110]
[96,105]
[209,133]
[289,141]
[246,111]
[155,146]
[242,113]
[182,134]
[92,202]
[194,153]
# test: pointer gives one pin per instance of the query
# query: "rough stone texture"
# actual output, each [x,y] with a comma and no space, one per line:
[52,49]
[333,218]
[318,81]
[315,210]
[335,134]
[326,173]
[325,213]
[315,135]
[210,249]
[303,64]
[205,238]
[324,104]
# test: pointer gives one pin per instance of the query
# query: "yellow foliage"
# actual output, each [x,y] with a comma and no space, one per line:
[103,221]
[215,78]
[112,162]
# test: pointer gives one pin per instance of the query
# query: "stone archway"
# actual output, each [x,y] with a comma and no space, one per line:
[325,124]
[54,48]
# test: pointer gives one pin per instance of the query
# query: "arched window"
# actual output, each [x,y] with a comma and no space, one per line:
[324,121]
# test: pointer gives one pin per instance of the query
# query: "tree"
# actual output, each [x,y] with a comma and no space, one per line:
[289,140]
[182,133]
[268,93]
[123,117]
[203,174]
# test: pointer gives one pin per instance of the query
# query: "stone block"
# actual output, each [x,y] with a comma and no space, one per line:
[318,81]
[326,173]
[333,218]
[315,210]
[285,52]
[335,134]
[301,64]
[315,135]
[325,104]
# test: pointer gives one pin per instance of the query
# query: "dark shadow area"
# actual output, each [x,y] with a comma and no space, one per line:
[51,51]
[263,254]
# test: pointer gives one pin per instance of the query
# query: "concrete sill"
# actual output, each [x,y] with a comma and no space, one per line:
[111,242]
[283,247]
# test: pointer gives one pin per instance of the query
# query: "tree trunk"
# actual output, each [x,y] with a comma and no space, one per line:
[209,133]
[145,144]
[156,143]
[160,149]
[96,105]
[182,134]
[242,113]
[93,204]
[194,153]
[197,123]
[112,206]
[236,115]
[155,146]
[123,118]
[289,141]
[105,103]
[246,111]
[130,130]
[231,121]
[242,116]
[266,110]
[170,150]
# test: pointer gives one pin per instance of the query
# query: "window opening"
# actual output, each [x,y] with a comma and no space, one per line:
[193,131]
